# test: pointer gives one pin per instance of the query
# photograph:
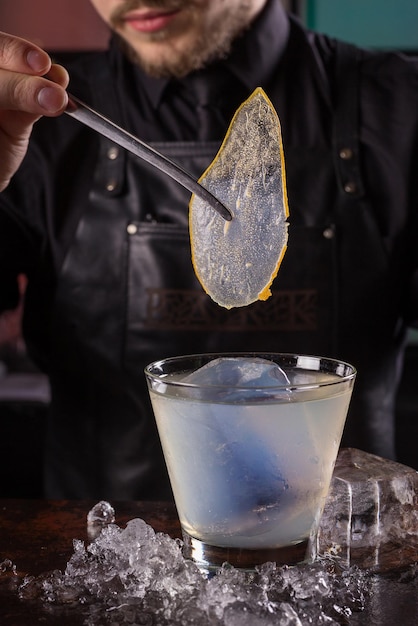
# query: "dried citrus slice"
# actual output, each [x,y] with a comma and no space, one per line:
[237,261]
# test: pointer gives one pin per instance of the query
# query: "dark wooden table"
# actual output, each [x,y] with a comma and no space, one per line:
[37,536]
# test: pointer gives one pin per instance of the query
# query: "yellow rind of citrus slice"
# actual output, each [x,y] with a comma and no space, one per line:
[237,261]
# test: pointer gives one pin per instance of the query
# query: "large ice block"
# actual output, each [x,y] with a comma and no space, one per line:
[371,513]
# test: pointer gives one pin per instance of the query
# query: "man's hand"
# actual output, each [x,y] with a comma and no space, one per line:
[30,86]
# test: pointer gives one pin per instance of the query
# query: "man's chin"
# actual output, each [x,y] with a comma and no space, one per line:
[165,60]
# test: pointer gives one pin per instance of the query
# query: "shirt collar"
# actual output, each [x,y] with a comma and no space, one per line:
[253,57]
[255,54]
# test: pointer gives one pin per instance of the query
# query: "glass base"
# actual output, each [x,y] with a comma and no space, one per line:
[211,558]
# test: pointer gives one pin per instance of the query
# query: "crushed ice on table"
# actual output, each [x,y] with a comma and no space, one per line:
[137,576]
[102,513]
[7,566]
[99,516]
[240,372]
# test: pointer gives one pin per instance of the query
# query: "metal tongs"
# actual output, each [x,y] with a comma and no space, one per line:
[98,122]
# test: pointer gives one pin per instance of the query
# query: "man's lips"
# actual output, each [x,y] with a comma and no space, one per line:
[150,21]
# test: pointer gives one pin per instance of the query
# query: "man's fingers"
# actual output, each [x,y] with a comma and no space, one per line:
[19,55]
[32,94]
[59,75]
[30,86]
[53,99]
[29,82]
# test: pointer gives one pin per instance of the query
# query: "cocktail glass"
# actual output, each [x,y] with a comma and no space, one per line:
[250,442]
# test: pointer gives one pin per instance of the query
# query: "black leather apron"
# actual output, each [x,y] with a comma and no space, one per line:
[127,295]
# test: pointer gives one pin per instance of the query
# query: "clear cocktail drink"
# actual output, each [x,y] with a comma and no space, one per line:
[250,448]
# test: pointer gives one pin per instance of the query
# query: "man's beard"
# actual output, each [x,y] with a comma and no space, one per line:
[210,43]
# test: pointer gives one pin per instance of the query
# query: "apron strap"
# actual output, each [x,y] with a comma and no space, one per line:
[109,177]
[346,122]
